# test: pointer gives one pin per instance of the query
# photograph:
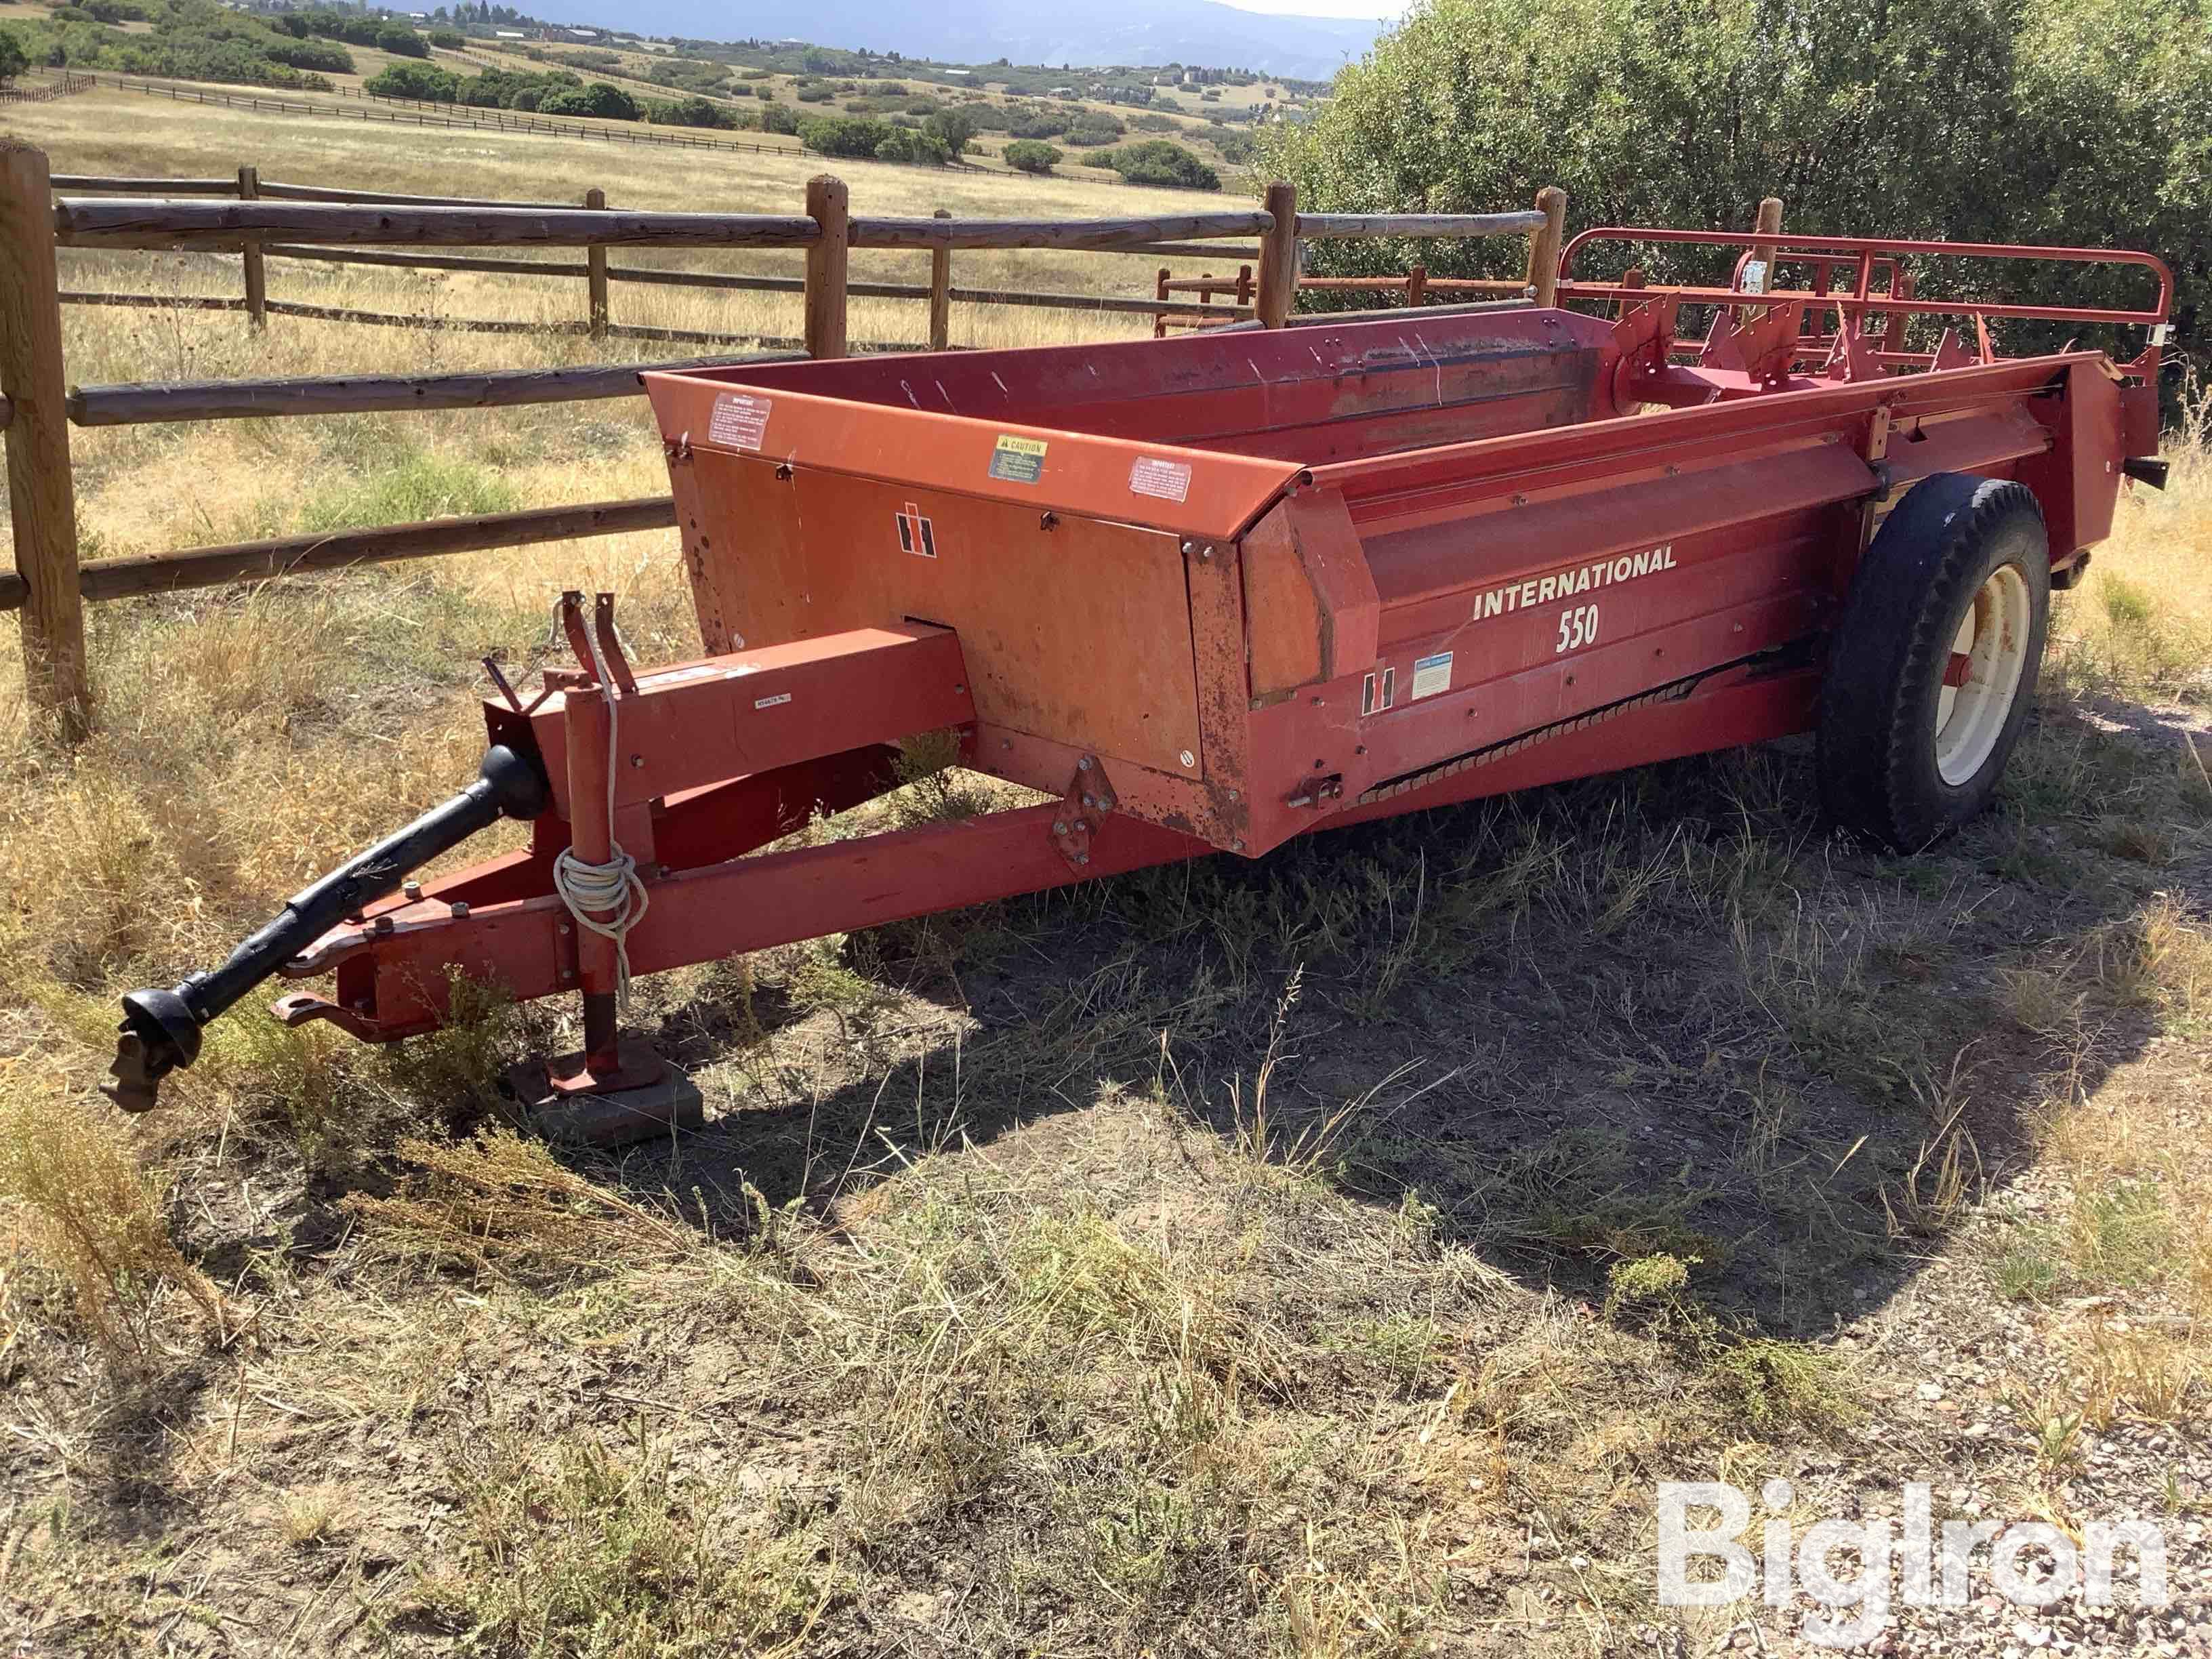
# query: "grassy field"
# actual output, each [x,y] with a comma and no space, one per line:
[632,77]
[1320,1255]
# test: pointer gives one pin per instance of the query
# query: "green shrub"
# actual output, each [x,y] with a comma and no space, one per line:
[420,81]
[448,40]
[779,117]
[692,111]
[1090,130]
[1157,162]
[844,135]
[311,55]
[14,60]
[600,99]
[906,144]
[1027,156]
[401,41]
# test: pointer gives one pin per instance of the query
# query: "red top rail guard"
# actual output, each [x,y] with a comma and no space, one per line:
[1866,250]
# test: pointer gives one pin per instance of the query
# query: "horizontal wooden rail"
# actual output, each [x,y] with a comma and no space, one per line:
[208,567]
[138,404]
[332,193]
[570,268]
[151,301]
[1195,251]
[396,320]
[152,223]
[1336,227]
[72,181]
[729,281]
[1098,234]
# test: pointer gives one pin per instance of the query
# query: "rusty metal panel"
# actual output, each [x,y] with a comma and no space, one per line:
[1189,492]
[1285,622]
[1072,628]
[1541,557]
[1311,611]
[693,724]
[2078,480]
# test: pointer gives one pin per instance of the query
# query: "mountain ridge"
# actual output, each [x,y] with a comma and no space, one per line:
[1082,34]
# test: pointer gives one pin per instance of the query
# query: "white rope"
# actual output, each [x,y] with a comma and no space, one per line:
[614,886]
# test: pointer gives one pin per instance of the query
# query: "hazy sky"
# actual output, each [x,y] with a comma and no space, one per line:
[1325,8]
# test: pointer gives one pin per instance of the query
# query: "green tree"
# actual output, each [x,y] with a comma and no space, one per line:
[1028,156]
[906,144]
[2065,121]
[1157,162]
[401,41]
[692,111]
[844,135]
[419,80]
[952,128]
[600,99]
[14,60]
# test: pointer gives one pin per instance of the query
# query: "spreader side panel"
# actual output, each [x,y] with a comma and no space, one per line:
[1074,629]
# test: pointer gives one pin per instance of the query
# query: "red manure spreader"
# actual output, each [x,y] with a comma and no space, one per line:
[1212,591]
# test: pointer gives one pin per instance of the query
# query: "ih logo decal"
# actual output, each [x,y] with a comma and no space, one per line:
[915,536]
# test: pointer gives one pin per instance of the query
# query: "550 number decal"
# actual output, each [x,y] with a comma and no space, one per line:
[1577,628]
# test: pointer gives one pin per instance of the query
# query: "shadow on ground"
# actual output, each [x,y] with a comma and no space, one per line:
[1660,1012]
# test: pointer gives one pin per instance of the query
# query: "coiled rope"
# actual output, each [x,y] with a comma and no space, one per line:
[612,887]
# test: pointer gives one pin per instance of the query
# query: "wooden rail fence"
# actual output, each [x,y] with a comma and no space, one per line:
[593,271]
[38,406]
[45,91]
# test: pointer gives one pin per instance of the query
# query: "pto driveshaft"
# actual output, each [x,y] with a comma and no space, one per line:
[160,1029]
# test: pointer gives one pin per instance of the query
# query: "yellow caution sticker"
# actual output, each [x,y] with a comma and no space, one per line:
[1017,460]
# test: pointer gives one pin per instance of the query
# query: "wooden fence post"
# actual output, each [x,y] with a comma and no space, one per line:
[595,271]
[1160,319]
[1544,245]
[1417,284]
[41,497]
[257,278]
[1279,257]
[1769,223]
[940,293]
[827,201]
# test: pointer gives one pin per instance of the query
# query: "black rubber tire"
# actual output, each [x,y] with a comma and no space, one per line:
[1875,739]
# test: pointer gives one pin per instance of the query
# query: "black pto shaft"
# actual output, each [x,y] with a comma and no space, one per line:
[160,1029]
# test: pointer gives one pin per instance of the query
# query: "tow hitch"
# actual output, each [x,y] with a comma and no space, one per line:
[160,1029]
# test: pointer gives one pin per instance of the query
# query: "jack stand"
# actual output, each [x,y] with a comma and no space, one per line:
[554,1107]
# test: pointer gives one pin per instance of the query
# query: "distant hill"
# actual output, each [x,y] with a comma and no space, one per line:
[1077,32]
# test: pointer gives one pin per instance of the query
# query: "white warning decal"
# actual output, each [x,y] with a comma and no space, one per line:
[1565,584]
[738,421]
[1168,480]
[1432,674]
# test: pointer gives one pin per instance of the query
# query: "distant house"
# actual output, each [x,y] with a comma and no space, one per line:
[509,34]
[1061,92]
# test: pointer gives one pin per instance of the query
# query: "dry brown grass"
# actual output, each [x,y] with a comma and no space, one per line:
[80,1203]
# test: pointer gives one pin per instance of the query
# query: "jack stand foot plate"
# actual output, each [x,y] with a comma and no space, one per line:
[611,1118]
